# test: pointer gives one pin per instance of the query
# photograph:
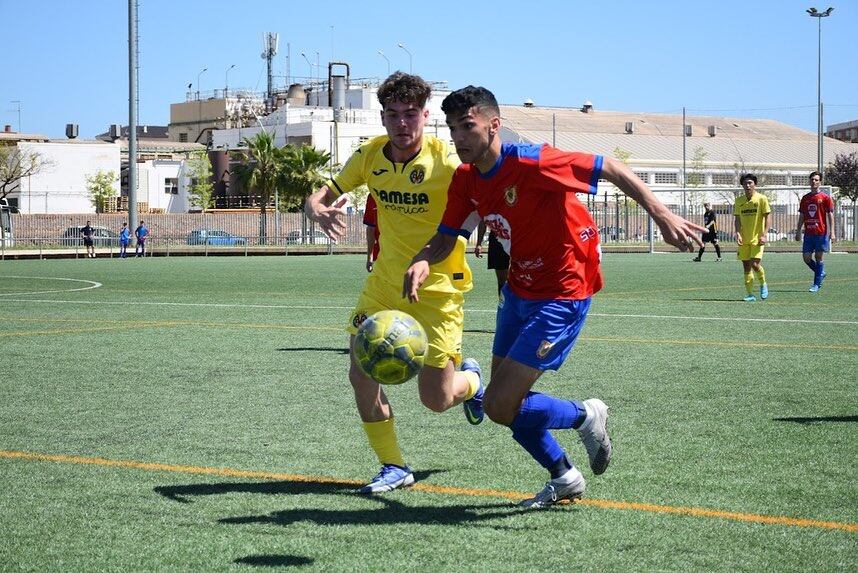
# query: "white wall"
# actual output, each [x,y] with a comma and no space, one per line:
[152,176]
[60,187]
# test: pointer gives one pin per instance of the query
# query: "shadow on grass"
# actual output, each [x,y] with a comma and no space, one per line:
[274,560]
[478,331]
[817,419]
[310,349]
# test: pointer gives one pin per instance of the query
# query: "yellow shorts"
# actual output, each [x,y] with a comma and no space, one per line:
[440,314]
[747,252]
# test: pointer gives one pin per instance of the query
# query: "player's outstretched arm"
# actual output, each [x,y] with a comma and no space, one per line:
[326,209]
[436,250]
[676,231]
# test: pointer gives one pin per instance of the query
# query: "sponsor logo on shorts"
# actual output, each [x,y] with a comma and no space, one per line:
[544,348]
[358,319]
[458,276]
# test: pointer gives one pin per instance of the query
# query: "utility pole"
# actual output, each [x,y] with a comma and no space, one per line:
[132,114]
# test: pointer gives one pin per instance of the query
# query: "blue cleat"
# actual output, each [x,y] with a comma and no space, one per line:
[390,477]
[813,288]
[764,291]
[474,406]
[750,298]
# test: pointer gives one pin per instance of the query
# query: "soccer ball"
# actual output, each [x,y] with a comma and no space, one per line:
[390,347]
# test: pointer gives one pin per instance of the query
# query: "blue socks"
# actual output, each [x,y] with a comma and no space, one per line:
[538,414]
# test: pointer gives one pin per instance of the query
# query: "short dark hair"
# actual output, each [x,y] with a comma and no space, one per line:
[464,99]
[747,176]
[809,177]
[404,88]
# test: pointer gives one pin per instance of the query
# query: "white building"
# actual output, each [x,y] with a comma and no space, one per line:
[60,185]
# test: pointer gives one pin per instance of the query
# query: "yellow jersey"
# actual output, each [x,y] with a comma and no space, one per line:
[411,199]
[752,213]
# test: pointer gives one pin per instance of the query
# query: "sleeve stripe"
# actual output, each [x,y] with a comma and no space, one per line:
[455,232]
[338,191]
[596,175]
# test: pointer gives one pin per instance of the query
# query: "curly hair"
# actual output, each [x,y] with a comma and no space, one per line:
[464,99]
[405,88]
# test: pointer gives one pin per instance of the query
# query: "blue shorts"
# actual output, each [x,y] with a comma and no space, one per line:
[538,333]
[813,243]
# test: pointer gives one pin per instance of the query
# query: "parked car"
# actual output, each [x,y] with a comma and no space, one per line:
[312,238]
[775,235]
[216,237]
[101,237]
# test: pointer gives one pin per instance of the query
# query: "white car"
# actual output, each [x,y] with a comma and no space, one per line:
[312,238]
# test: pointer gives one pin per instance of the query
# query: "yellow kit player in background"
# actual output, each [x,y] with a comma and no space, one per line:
[407,173]
[752,211]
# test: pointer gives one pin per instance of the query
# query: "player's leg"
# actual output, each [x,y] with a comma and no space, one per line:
[373,407]
[760,274]
[820,273]
[699,256]
[749,278]
[501,275]
[717,246]
[530,338]
[440,385]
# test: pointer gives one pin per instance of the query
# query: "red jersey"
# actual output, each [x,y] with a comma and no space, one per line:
[370,219]
[815,207]
[528,200]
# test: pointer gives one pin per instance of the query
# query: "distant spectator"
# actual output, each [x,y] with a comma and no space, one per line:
[498,257]
[124,239]
[87,233]
[141,232]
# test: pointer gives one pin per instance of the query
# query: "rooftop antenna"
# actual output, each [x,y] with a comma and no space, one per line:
[269,50]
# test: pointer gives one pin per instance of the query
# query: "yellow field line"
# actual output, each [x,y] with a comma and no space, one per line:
[436,489]
[168,324]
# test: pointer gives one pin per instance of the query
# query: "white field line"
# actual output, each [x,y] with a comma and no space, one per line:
[92,285]
[469,310]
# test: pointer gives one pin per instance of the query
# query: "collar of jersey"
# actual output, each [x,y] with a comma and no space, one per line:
[407,161]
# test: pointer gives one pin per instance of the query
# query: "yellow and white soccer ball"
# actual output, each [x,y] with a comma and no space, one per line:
[390,347]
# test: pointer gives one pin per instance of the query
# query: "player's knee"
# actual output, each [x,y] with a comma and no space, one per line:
[437,402]
[498,411]
[359,380]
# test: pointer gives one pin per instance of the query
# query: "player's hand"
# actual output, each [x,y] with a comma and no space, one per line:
[415,276]
[679,232]
[369,266]
[739,239]
[332,219]
[797,235]
[831,237]
[478,251]
[762,239]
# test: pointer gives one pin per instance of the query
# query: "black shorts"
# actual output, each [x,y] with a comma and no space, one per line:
[710,237]
[87,241]
[498,259]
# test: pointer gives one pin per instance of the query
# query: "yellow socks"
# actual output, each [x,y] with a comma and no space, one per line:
[473,383]
[749,281]
[382,438]
[761,275]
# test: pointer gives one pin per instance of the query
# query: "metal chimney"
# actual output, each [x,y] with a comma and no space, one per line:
[71,130]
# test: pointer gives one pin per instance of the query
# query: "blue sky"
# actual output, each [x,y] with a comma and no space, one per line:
[66,60]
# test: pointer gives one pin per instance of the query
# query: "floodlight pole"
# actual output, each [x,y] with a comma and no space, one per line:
[814,13]
[409,55]
[380,53]
[132,114]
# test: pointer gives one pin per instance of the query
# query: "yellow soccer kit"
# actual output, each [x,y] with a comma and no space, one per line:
[411,199]
[752,214]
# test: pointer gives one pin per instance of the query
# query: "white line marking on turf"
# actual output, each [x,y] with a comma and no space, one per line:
[470,310]
[92,285]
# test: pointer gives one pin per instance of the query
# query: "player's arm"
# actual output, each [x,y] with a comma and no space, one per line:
[370,246]
[481,232]
[765,230]
[738,230]
[675,230]
[325,207]
[799,227]
[436,250]
[829,218]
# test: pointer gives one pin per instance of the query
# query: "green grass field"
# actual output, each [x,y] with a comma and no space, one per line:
[195,414]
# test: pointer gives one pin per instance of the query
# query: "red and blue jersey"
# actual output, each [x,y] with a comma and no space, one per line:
[529,201]
[815,208]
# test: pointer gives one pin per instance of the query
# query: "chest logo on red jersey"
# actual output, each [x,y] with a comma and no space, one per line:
[417,175]
[510,195]
[811,210]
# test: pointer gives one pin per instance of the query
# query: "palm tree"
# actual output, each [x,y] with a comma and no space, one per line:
[304,170]
[259,173]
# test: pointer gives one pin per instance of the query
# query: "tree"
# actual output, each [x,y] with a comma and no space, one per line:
[202,187]
[259,173]
[304,170]
[698,162]
[16,164]
[100,187]
[843,174]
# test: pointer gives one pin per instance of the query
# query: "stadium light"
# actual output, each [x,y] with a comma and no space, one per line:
[814,13]
[380,53]
[409,55]
[226,82]
[204,70]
